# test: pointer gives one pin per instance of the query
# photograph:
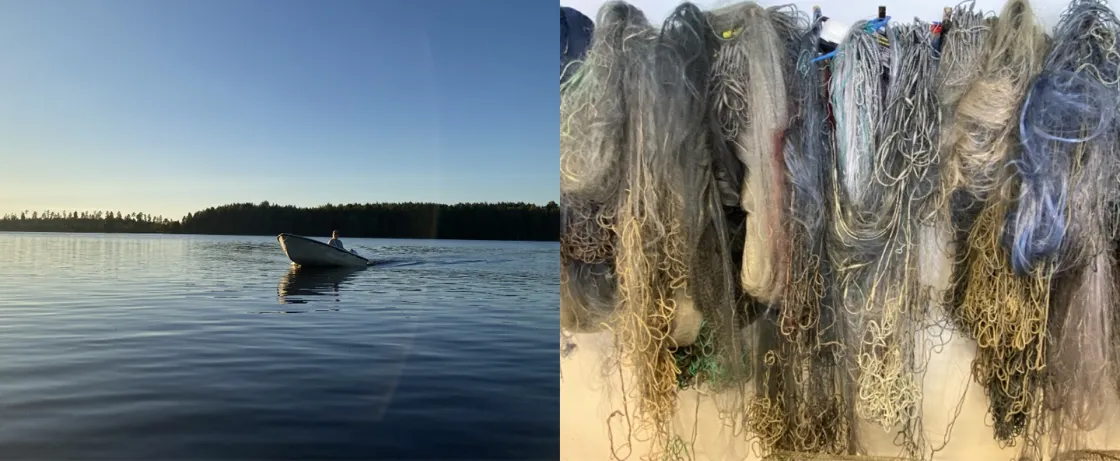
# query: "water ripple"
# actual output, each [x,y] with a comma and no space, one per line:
[173,347]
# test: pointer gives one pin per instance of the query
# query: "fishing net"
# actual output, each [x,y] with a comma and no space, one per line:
[782,233]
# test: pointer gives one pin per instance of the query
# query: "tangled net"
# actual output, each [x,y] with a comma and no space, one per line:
[751,104]
[906,164]
[962,54]
[971,87]
[592,120]
[637,145]
[857,95]
[1071,107]
[1070,114]
[776,231]
[802,400]
[650,238]
[1005,313]
[796,456]
[1088,455]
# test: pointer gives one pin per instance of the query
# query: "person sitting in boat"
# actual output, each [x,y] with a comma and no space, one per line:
[335,242]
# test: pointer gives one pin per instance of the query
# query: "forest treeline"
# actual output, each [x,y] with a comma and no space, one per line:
[467,221]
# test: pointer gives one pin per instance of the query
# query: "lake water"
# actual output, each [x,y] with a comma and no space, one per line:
[202,347]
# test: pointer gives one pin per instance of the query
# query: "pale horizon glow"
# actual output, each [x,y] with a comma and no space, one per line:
[172,107]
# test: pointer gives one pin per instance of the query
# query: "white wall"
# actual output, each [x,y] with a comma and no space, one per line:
[846,11]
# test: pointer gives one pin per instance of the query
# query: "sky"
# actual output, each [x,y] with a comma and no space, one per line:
[171,106]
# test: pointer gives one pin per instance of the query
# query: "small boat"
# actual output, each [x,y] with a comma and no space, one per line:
[310,252]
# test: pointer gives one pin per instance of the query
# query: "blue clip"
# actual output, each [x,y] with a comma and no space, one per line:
[875,24]
[828,55]
[872,26]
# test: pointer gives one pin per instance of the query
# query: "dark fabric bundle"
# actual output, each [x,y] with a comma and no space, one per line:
[576,30]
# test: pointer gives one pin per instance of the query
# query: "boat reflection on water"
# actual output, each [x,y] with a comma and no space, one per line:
[303,281]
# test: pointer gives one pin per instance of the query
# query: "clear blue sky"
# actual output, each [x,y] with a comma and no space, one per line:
[170,106]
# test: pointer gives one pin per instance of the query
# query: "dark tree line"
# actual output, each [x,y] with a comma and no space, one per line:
[98,221]
[467,221]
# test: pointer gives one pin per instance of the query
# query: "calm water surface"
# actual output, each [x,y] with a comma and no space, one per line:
[202,347]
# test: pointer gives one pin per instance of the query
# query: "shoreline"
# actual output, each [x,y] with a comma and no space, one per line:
[261,235]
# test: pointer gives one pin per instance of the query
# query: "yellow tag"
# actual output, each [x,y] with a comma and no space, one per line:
[730,33]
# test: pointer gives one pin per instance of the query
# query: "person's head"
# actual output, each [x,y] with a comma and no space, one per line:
[334,234]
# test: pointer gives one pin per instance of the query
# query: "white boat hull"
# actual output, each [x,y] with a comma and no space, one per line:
[309,252]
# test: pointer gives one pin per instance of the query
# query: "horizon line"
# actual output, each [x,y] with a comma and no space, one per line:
[271,204]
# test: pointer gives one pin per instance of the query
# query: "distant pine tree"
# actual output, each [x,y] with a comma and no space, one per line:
[466,221]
